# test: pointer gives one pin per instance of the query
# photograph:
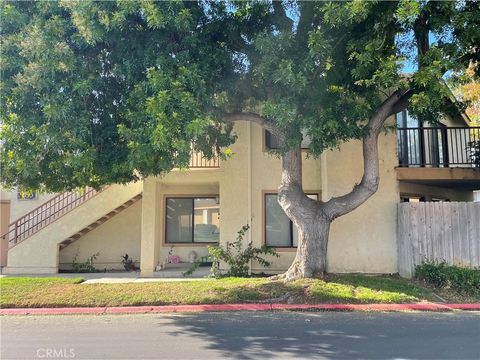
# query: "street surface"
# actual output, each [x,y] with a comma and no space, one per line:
[243,335]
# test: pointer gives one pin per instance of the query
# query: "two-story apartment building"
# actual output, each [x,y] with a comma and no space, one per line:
[186,210]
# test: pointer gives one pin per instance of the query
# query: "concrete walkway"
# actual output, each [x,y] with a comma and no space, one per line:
[169,274]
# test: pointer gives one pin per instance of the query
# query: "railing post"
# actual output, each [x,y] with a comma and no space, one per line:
[15,234]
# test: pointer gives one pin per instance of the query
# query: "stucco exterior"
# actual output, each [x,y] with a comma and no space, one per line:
[40,252]
[362,241]
[116,237]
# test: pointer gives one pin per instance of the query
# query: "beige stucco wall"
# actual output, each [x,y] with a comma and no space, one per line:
[117,236]
[365,239]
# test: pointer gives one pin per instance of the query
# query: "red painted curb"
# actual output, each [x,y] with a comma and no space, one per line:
[376,307]
[239,307]
[465,306]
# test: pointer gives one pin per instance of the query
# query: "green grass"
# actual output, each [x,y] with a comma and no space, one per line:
[63,292]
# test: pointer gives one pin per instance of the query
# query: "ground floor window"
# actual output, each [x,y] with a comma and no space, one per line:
[192,220]
[411,198]
[279,229]
[421,198]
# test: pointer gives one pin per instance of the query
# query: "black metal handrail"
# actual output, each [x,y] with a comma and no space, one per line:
[439,146]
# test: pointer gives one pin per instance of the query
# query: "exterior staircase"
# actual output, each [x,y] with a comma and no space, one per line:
[36,238]
[100,221]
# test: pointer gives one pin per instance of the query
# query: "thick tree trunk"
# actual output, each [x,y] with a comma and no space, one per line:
[311,258]
[312,223]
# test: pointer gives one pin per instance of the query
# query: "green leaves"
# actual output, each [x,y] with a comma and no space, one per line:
[408,11]
[235,256]
[102,92]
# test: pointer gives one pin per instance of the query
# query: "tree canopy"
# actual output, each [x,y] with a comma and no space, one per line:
[108,92]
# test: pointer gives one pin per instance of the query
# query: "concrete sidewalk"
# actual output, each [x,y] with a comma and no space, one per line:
[173,273]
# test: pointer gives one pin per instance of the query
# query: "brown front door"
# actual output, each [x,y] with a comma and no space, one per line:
[4,222]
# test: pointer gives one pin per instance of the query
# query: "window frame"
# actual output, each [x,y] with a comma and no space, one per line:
[266,147]
[191,197]
[32,197]
[420,197]
[265,193]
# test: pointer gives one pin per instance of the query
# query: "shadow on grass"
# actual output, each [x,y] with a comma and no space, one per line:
[383,284]
[338,289]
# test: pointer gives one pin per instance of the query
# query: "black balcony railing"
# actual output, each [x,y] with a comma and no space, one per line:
[439,146]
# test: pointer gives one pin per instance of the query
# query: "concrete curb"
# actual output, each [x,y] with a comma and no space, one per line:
[241,307]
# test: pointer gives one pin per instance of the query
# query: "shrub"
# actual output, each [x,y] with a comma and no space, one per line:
[235,256]
[129,263]
[432,273]
[85,267]
[441,275]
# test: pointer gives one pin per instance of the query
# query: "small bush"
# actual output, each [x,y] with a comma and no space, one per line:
[441,275]
[85,267]
[433,273]
[237,258]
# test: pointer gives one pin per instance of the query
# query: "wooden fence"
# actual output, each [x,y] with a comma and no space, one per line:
[447,231]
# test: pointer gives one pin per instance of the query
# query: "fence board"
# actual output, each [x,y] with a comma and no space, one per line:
[438,231]
[456,236]
[471,233]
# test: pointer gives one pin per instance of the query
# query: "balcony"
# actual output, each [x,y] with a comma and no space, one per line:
[198,161]
[440,155]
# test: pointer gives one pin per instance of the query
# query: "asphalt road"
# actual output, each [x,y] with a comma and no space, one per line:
[243,335]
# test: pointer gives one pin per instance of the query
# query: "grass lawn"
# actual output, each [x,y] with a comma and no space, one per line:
[64,292]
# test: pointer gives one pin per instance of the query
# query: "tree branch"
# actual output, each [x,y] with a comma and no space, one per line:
[306,17]
[420,32]
[280,18]
[291,197]
[402,103]
[267,124]
[342,205]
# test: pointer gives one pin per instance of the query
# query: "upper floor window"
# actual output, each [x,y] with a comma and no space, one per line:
[405,120]
[271,142]
[280,231]
[192,220]
[26,195]
[422,144]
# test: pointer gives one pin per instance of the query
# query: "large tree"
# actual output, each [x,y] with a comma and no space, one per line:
[109,92]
